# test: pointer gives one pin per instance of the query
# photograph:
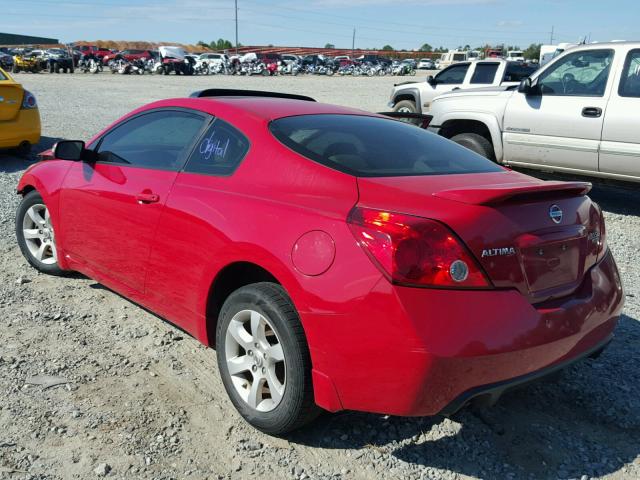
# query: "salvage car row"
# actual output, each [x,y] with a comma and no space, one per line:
[172,59]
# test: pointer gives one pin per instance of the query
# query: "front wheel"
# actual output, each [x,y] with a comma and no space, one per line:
[35,234]
[405,106]
[476,143]
[264,359]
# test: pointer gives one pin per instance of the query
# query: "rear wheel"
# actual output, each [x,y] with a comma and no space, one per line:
[264,359]
[35,234]
[476,143]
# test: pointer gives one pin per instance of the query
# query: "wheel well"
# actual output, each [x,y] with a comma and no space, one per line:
[228,280]
[26,189]
[403,96]
[452,128]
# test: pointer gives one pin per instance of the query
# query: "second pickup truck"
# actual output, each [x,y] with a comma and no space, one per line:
[416,97]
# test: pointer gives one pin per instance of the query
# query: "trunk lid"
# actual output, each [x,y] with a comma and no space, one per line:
[11,94]
[528,234]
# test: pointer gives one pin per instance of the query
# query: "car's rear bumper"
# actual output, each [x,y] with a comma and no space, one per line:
[411,351]
[489,394]
[24,127]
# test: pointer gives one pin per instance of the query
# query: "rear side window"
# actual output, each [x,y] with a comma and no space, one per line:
[366,146]
[516,72]
[157,140]
[485,73]
[630,81]
[219,152]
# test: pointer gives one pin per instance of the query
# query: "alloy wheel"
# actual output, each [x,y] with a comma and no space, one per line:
[38,234]
[255,360]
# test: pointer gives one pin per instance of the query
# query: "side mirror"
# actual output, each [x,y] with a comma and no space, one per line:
[73,150]
[69,150]
[526,86]
[431,80]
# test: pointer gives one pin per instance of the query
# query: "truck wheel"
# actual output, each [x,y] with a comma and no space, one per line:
[476,143]
[405,106]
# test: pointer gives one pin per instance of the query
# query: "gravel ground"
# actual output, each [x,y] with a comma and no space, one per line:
[139,399]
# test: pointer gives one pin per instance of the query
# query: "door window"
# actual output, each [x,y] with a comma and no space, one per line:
[485,73]
[158,140]
[453,75]
[219,152]
[582,74]
[630,81]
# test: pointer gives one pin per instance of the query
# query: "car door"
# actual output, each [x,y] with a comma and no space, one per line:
[620,146]
[109,209]
[559,123]
[448,79]
[194,225]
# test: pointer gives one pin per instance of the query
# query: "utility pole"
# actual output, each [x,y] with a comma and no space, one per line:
[353,42]
[236,27]
[551,40]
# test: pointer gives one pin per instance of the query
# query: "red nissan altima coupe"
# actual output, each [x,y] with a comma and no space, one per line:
[335,258]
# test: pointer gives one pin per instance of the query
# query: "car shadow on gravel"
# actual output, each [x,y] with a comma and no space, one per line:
[586,421]
[11,163]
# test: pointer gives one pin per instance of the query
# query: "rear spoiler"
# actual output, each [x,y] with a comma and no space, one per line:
[493,194]
[424,120]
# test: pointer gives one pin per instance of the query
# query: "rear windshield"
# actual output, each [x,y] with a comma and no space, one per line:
[366,146]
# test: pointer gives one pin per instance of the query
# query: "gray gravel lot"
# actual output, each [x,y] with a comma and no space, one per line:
[139,399]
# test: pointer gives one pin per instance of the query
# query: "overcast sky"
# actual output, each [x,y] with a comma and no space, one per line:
[402,24]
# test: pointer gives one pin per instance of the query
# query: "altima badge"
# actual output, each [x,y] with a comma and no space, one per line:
[498,252]
[555,213]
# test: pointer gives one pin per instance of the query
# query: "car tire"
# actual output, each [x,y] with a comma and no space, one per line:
[476,143]
[265,307]
[406,106]
[39,249]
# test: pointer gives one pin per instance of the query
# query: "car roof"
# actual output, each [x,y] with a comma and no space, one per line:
[260,108]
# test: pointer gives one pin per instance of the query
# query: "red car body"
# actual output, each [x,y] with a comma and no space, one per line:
[165,239]
[99,52]
[129,55]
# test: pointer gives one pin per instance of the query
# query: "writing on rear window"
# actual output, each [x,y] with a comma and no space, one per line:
[220,151]
[213,147]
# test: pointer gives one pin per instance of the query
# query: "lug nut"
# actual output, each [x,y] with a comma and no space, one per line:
[254,368]
[255,345]
[264,370]
[250,353]
[264,354]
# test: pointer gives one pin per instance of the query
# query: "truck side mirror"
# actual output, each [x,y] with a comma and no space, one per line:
[526,86]
[431,80]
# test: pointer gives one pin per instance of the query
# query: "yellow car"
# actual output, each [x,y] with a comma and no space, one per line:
[19,116]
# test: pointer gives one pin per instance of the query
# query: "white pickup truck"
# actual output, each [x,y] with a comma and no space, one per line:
[416,97]
[578,114]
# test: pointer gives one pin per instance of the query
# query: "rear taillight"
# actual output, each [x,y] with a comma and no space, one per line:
[415,251]
[29,101]
[601,240]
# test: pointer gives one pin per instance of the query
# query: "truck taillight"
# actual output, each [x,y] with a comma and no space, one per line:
[414,251]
